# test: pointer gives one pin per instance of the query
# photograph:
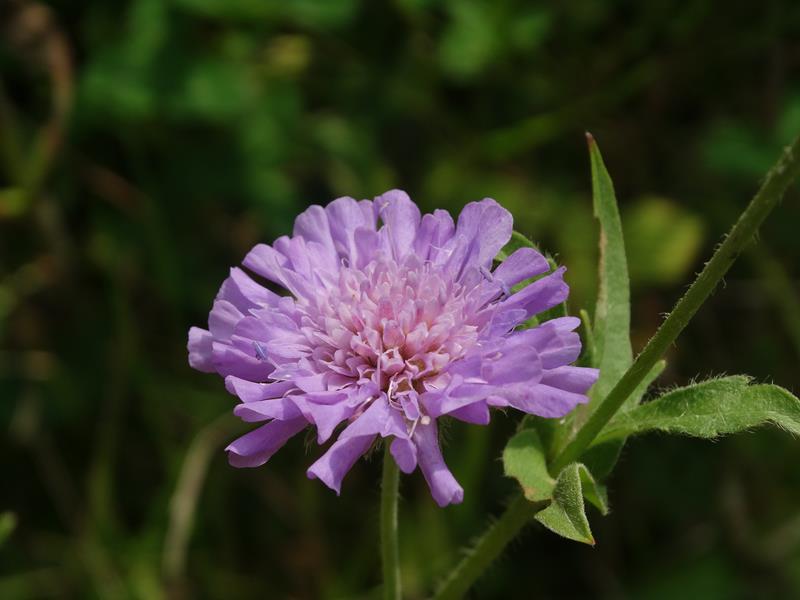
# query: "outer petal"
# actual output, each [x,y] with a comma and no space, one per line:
[402,218]
[540,295]
[541,400]
[255,448]
[476,413]
[405,454]
[487,226]
[571,379]
[444,488]
[313,225]
[338,460]
[435,230]
[280,408]
[353,442]
[247,391]
[346,216]
[200,350]
[244,293]
[325,416]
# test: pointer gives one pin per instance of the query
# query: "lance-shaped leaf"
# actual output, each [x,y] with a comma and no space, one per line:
[709,409]
[612,316]
[566,514]
[611,345]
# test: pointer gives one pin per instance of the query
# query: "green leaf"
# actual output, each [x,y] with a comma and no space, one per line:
[566,515]
[524,460]
[593,491]
[612,312]
[589,346]
[710,409]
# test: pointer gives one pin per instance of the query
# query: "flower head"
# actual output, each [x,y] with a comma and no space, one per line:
[392,320]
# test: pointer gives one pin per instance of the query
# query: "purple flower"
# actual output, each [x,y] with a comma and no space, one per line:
[394,320]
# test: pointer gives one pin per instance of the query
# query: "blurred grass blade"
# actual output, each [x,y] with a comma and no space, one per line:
[183,503]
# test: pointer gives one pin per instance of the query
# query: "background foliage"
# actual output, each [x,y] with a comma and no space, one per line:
[148,144]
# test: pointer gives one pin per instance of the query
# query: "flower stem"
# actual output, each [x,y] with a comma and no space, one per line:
[492,543]
[390,555]
[488,547]
[778,179]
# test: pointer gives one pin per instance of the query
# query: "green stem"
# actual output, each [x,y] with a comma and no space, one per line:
[778,179]
[492,543]
[390,555]
[487,548]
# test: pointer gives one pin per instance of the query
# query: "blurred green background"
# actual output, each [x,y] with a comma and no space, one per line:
[148,144]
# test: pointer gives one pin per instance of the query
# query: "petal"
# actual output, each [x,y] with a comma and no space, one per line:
[223,319]
[200,350]
[476,413]
[444,488]
[325,416]
[248,391]
[405,454]
[540,295]
[488,225]
[244,293]
[255,448]
[522,264]
[261,410]
[267,262]
[355,440]
[346,216]
[571,379]
[401,217]
[313,225]
[338,460]
[234,361]
[434,232]
[542,400]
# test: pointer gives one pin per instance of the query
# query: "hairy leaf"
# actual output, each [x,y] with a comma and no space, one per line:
[524,460]
[566,515]
[709,409]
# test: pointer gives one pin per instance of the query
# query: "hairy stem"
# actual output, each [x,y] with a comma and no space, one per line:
[514,519]
[390,555]
[778,179]
[488,547]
